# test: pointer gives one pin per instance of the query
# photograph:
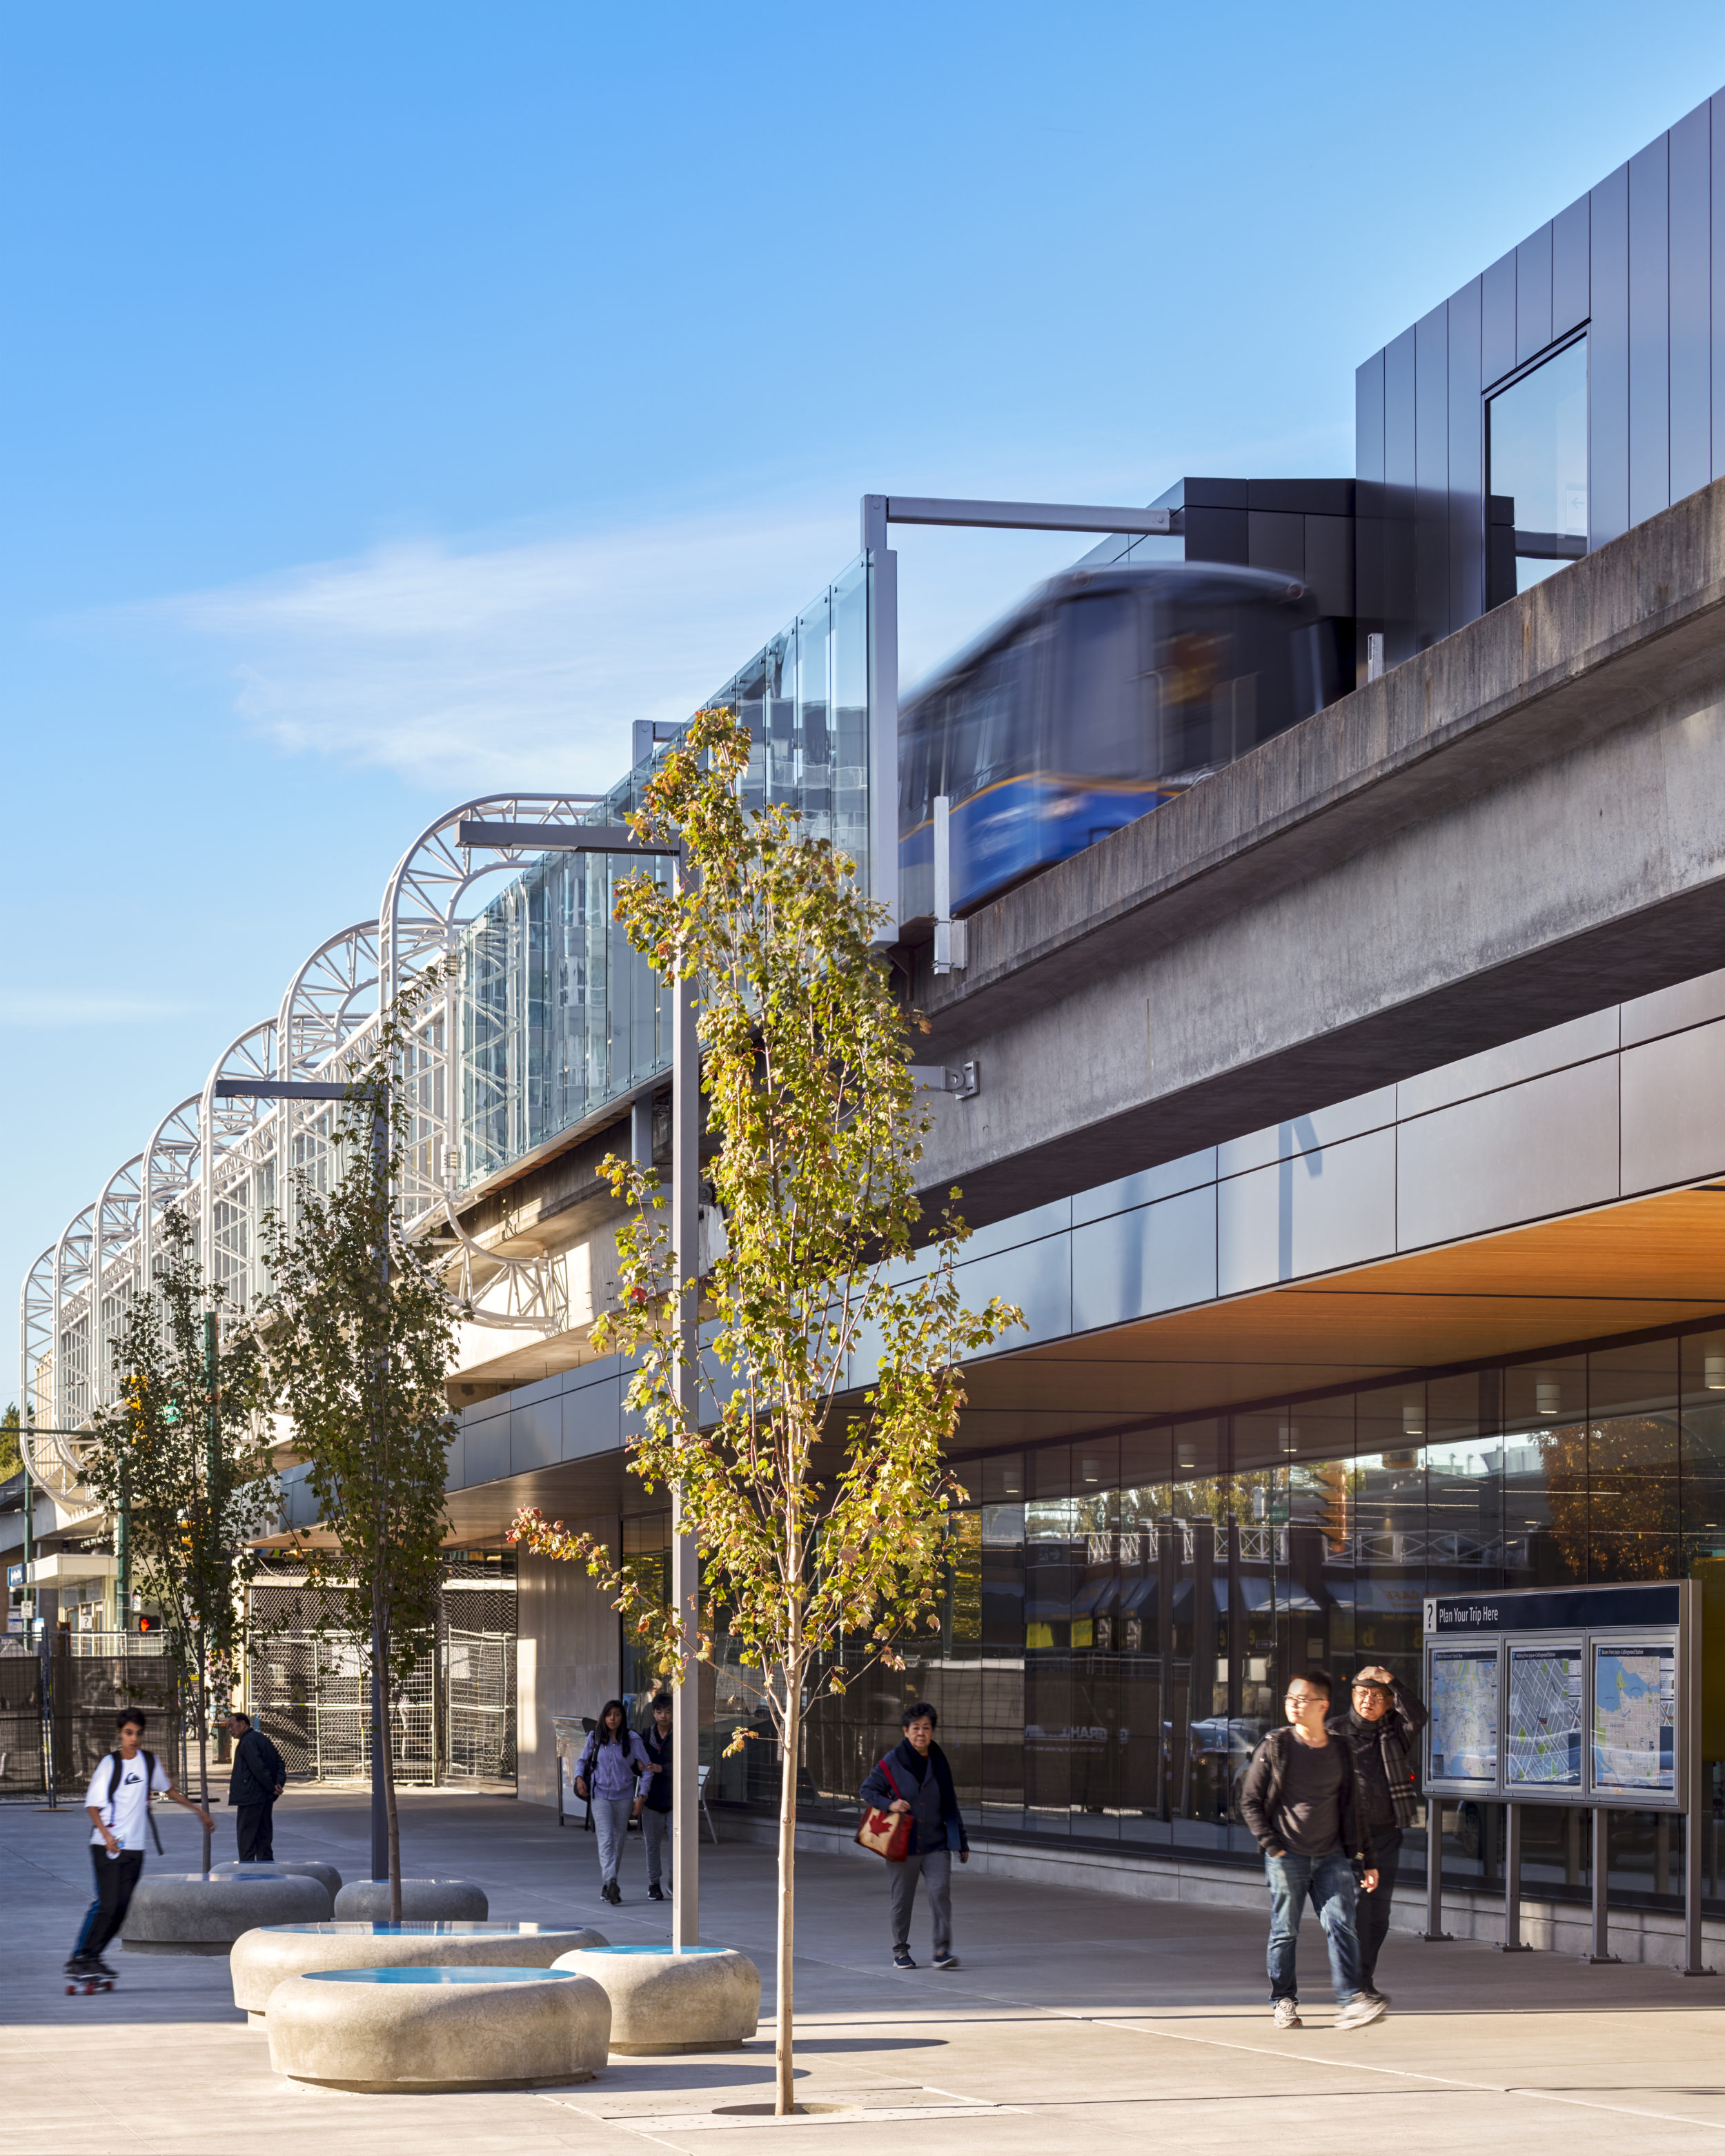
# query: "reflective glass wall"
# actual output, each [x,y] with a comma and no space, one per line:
[1124,1613]
[559,1017]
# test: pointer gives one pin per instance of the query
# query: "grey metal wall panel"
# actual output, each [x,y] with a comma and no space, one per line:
[593,1418]
[1497,318]
[536,1436]
[486,1454]
[1717,194]
[1608,357]
[1158,1257]
[1674,1109]
[1669,1010]
[1546,1146]
[1552,1049]
[1131,1191]
[1570,302]
[1467,507]
[1533,294]
[1431,461]
[1037,1276]
[1022,1228]
[1650,443]
[1328,1209]
[1310,1133]
[1400,479]
[1691,303]
[1368,492]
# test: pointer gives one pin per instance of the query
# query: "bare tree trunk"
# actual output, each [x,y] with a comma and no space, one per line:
[387,1754]
[785,2098]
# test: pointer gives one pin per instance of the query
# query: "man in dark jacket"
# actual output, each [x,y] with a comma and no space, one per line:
[1382,1730]
[914,1778]
[259,1777]
[1300,1800]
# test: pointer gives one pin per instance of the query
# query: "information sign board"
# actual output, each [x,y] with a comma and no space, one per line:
[1562,1696]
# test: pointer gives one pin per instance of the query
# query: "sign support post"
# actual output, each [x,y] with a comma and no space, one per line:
[1602,1955]
[1513,1941]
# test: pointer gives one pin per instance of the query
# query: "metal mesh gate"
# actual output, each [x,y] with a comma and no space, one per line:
[456,1719]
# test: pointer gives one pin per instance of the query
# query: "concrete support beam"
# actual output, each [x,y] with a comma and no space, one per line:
[1517,826]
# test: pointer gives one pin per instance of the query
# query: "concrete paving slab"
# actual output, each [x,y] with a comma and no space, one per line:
[1074,2014]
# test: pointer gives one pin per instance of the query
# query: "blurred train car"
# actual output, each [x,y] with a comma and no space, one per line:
[1101,697]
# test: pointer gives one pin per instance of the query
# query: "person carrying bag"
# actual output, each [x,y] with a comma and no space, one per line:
[913,1821]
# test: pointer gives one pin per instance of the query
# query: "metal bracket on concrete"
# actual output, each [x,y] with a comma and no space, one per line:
[1512,1942]
[962,1084]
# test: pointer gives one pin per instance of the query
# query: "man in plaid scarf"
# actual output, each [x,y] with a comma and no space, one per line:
[1381,1727]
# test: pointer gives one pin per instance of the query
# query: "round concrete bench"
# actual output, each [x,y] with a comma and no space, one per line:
[422,1901]
[707,1999]
[285,1867]
[185,1913]
[262,1959]
[421,2031]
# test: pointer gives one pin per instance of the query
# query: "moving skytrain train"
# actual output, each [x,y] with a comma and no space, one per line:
[1101,697]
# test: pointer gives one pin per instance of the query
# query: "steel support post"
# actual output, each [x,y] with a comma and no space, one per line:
[1512,1941]
[380,1728]
[1602,1953]
[685,1564]
[1434,1931]
[1696,1817]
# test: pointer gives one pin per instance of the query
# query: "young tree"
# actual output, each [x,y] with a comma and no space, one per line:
[182,1460]
[358,1332]
[12,1445]
[822,1527]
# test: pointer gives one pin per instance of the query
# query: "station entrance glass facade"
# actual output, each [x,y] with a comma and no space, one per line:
[1125,1610]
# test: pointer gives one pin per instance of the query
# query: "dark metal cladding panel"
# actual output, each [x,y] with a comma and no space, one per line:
[1691,303]
[1569,296]
[1368,488]
[1431,461]
[1217,494]
[1719,281]
[1400,479]
[1497,319]
[1533,294]
[1467,506]
[1275,540]
[1650,441]
[1303,497]
[1329,562]
[1608,398]
[1216,535]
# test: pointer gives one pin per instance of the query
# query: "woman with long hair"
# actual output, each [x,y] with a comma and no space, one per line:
[611,1761]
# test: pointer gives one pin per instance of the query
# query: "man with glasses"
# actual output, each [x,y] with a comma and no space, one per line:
[1382,1730]
[1300,1800]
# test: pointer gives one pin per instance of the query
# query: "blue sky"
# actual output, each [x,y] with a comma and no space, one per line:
[400,400]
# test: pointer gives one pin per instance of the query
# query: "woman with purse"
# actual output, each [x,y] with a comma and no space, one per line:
[611,1760]
[913,1784]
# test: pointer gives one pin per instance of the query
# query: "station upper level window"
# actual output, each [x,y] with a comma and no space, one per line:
[1537,451]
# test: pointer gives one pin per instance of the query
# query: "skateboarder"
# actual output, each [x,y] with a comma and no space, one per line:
[118,1802]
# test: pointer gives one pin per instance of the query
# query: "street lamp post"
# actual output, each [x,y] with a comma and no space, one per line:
[685,1222]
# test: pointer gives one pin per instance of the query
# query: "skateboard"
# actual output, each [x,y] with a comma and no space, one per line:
[84,1987]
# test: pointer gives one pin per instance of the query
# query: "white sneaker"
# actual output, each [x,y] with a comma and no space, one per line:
[1360,2009]
[1287,2014]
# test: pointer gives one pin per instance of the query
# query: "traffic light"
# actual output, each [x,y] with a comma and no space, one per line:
[147,1623]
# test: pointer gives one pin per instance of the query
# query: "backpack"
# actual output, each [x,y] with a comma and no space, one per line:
[149,1760]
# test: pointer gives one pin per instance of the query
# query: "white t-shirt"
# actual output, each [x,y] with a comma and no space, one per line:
[127,1815]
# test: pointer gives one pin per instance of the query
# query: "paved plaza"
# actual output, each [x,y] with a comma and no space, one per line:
[1078,2020]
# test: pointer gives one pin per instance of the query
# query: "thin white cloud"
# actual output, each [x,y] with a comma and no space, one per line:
[520,665]
[41,1009]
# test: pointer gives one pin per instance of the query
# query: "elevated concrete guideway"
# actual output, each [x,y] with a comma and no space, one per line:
[1512,828]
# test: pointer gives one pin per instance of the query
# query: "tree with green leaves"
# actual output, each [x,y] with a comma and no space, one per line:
[181,1461]
[12,1445]
[821,1513]
[358,1333]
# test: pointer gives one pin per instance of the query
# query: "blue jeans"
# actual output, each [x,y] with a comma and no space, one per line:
[1329,1882]
[610,1817]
